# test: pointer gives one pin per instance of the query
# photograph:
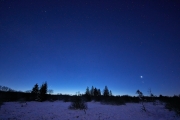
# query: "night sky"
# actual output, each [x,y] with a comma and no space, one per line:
[71,44]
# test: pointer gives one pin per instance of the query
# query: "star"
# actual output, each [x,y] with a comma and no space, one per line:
[141,76]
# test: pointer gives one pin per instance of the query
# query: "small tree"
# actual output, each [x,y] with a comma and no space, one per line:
[140,95]
[106,91]
[151,95]
[78,103]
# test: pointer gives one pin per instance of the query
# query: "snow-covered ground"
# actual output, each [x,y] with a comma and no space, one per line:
[58,110]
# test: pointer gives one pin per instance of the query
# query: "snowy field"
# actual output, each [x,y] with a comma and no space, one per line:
[58,110]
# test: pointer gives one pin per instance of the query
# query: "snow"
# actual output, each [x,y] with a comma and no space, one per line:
[58,110]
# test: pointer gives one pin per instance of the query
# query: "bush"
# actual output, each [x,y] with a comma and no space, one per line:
[78,103]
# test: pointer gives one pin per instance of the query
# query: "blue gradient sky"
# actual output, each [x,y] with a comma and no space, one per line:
[73,44]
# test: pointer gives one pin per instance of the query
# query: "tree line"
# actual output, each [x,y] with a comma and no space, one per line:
[40,93]
[97,92]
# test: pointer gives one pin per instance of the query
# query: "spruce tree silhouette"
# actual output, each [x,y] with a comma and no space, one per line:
[43,92]
[95,92]
[106,92]
[88,94]
[35,92]
[99,92]
[87,91]
[92,91]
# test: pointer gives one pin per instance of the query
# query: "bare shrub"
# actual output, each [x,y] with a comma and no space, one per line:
[78,103]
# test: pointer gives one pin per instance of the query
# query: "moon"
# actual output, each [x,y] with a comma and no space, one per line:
[141,76]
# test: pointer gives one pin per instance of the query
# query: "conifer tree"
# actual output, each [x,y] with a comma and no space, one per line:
[95,92]
[92,91]
[99,92]
[87,91]
[106,91]
[43,91]
[110,93]
[35,91]
[88,94]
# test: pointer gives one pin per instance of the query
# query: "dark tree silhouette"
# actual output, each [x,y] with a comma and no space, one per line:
[92,91]
[88,94]
[140,94]
[87,91]
[110,93]
[151,95]
[43,92]
[78,103]
[95,92]
[106,91]
[35,91]
[99,92]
